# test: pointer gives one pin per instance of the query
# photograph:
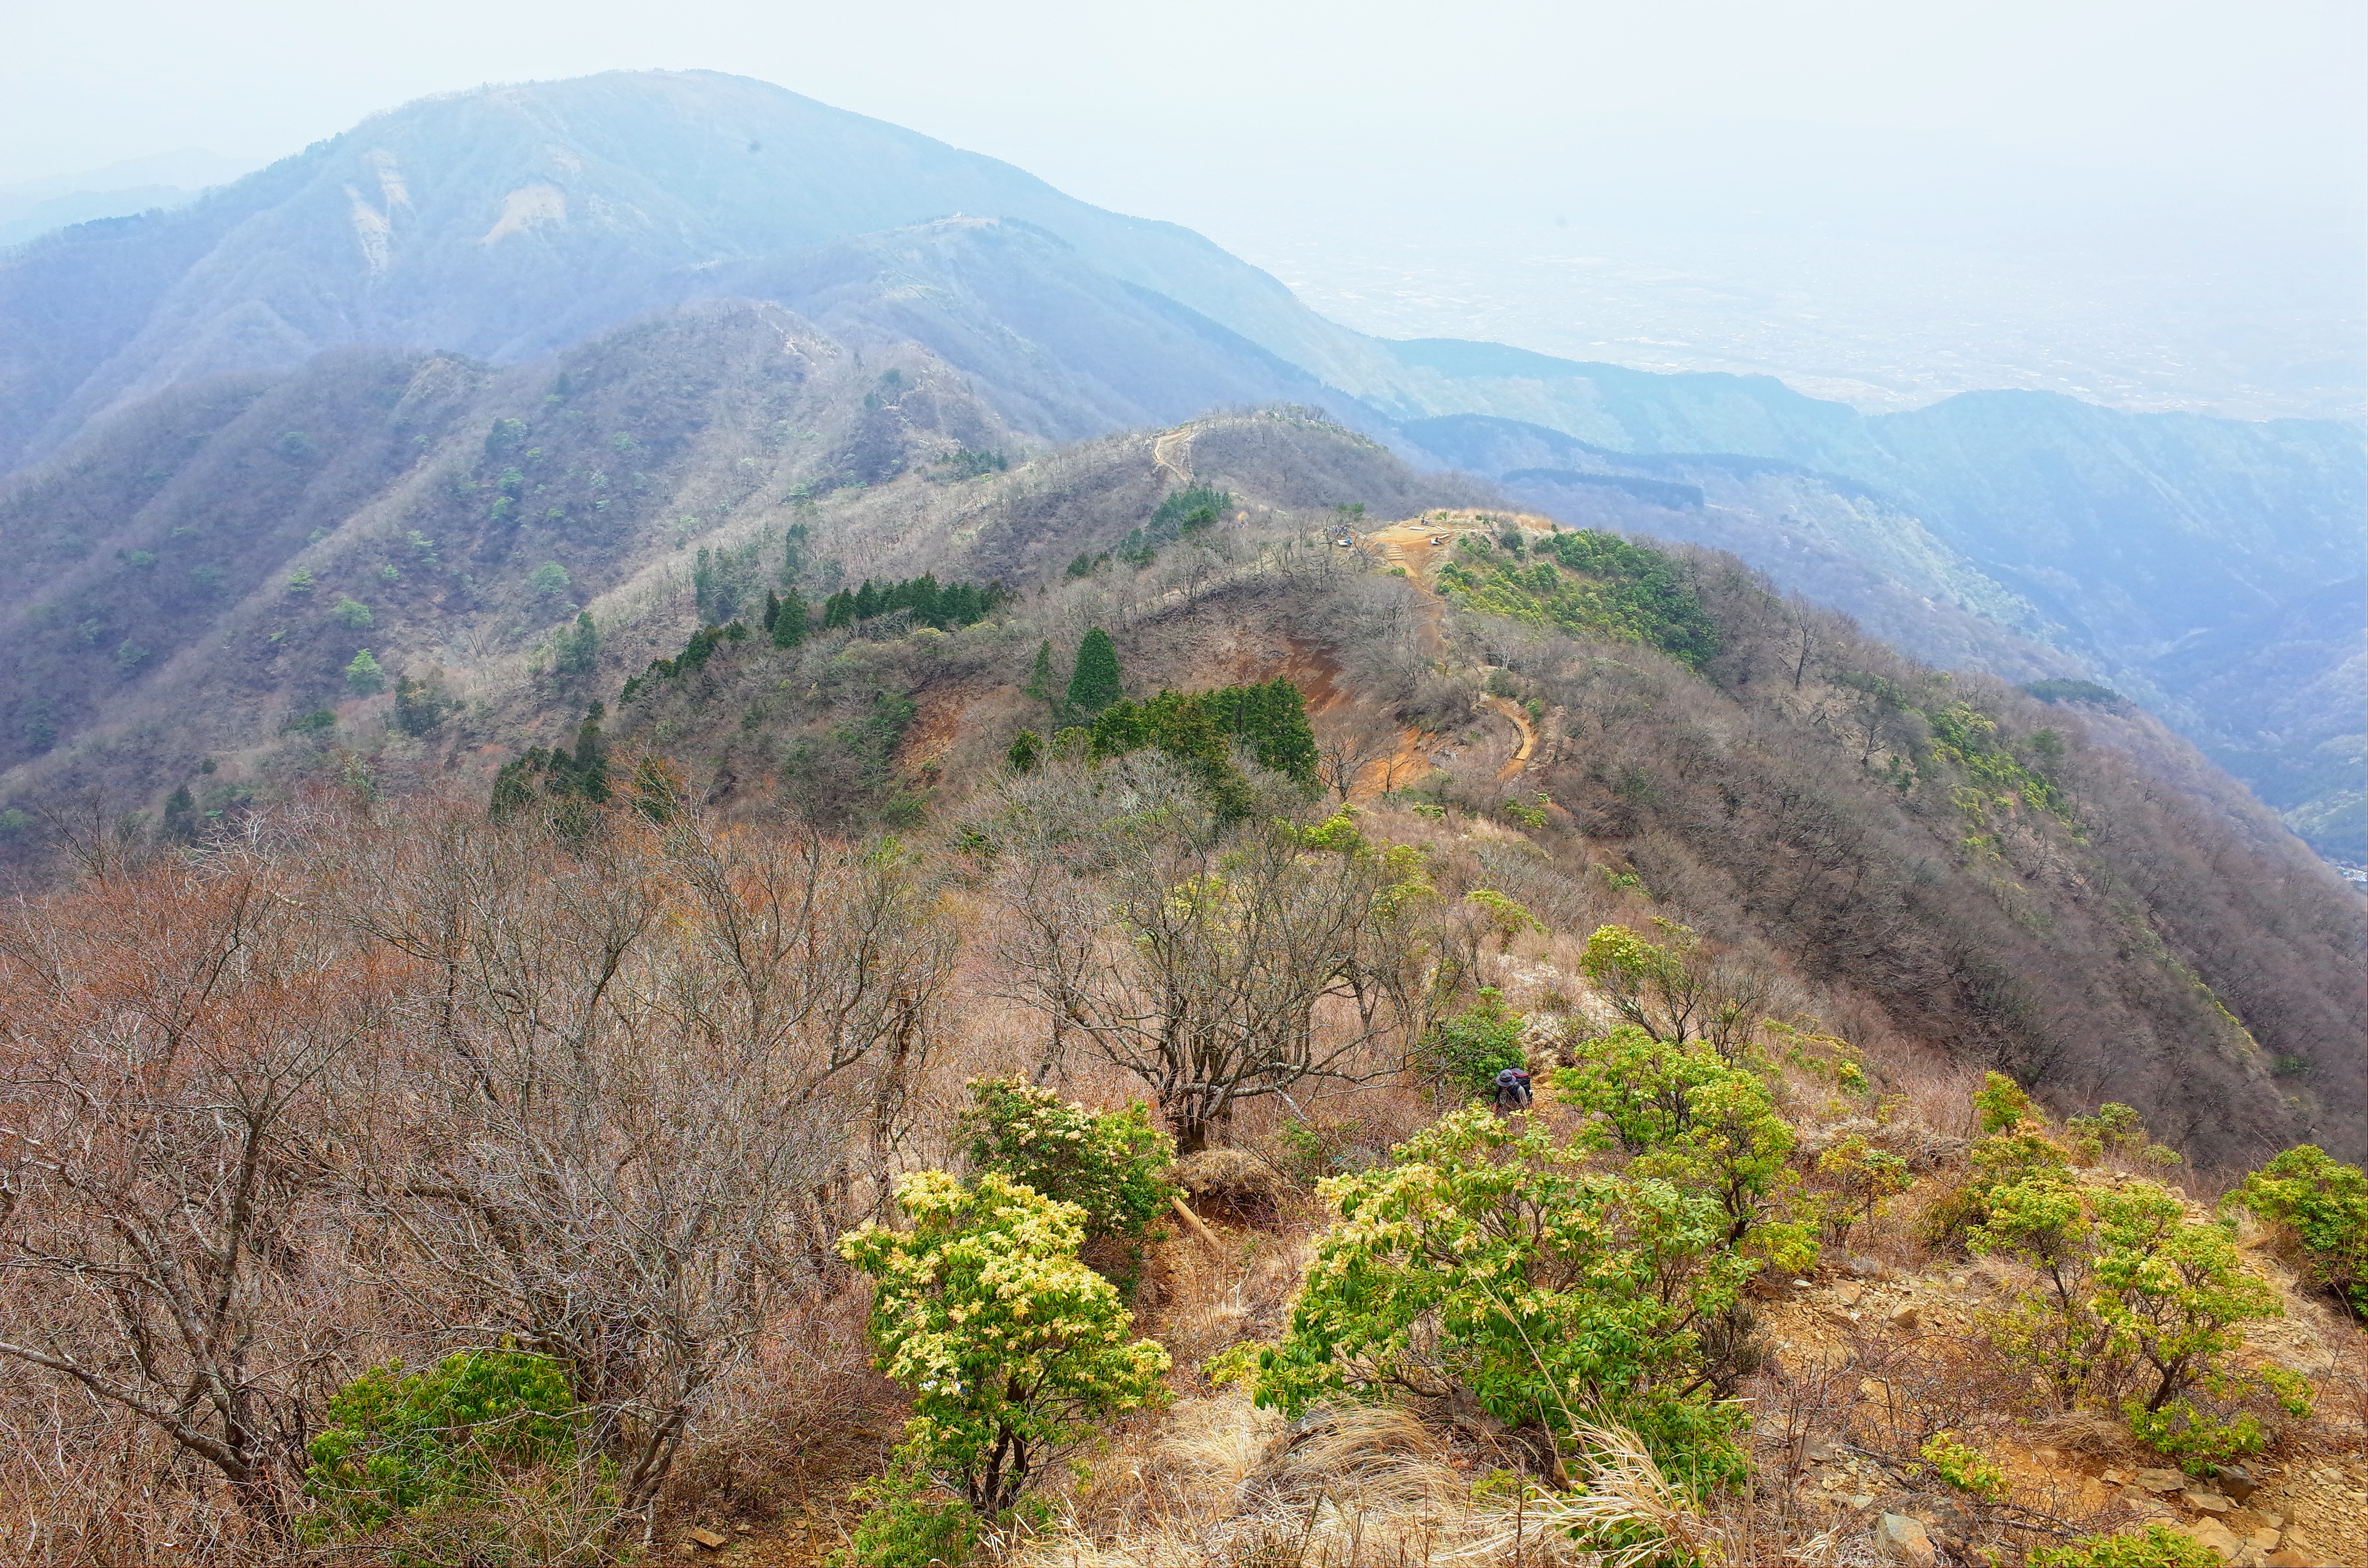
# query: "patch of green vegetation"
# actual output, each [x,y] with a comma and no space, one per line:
[1467,1051]
[1591,583]
[693,658]
[1186,512]
[969,463]
[2074,691]
[1967,739]
[2323,1204]
[945,605]
[1199,728]
[572,779]
[429,1449]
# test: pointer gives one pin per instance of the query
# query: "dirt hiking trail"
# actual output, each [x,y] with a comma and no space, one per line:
[1418,546]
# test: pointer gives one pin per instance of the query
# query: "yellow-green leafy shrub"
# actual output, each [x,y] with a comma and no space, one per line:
[1496,1259]
[2139,1302]
[1014,1350]
[1108,1163]
[1855,1179]
[1965,1467]
[2324,1205]
[1708,1127]
[2153,1547]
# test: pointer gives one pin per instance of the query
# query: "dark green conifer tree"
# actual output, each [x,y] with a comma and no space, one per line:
[579,646]
[1096,683]
[181,816]
[789,626]
[1021,758]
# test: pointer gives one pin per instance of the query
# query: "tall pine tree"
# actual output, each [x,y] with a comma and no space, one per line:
[1096,683]
[789,620]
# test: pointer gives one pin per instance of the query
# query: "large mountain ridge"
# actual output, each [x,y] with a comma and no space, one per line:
[2172,557]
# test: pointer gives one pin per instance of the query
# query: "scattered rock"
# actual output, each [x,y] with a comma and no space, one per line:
[2263,1541]
[1906,1315]
[2238,1482]
[1848,1294]
[2111,1477]
[2161,1480]
[709,1539]
[744,1529]
[1861,1500]
[2206,1501]
[2213,1535]
[1904,1539]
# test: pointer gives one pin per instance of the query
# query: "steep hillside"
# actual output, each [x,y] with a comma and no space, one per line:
[207,570]
[1894,834]
[507,222]
[1824,538]
[1062,348]
[512,223]
[2127,543]
[1909,848]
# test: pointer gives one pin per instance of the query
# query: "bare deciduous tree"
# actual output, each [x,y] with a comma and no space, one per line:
[1348,748]
[176,1104]
[633,1107]
[1204,963]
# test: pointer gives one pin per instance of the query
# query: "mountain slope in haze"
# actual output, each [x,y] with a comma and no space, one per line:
[1060,347]
[207,568]
[2172,556]
[511,223]
[34,208]
[203,584]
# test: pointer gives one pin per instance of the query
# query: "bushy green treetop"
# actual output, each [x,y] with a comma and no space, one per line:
[1095,682]
[1013,1349]
[2325,1205]
[1556,1290]
[1106,1163]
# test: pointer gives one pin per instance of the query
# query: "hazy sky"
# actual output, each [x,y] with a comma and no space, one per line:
[1112,98]
[1323,133]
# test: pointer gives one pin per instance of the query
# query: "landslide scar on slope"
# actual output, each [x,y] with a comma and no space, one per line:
[526,207]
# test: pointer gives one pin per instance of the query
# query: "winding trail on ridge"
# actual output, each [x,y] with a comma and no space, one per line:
[1172,450]
[1408,545]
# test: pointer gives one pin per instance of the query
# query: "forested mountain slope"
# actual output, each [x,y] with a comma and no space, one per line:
[2182,560]
[510,222]
[1948,862]
[507,222]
